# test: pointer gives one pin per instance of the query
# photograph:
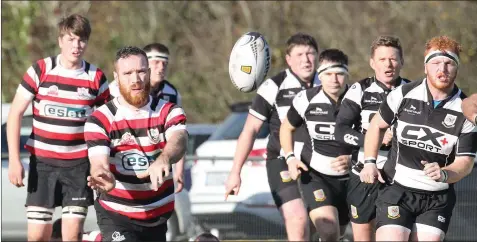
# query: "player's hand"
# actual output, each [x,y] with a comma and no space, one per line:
[232,186]
[16,173]
[101,180]
[341,163]
[388,136]
[294,166]
[432,170]
[155,172]
[369,174]
[179,180]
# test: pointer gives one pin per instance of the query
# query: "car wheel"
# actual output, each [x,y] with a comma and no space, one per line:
[172,227]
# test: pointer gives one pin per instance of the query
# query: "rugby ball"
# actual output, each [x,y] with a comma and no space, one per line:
[249,61]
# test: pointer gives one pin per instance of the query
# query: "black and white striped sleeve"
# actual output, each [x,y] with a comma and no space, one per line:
[467,143]
[262,104]
[350,115]
[389,108]
[296,113]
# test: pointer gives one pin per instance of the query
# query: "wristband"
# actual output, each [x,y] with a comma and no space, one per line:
[288,156]
[370,160]
[444,176]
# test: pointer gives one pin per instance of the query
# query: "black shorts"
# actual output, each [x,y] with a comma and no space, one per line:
[361,199]
[116,227]
[282,186]
[52,186]
[322,190]
[397,205]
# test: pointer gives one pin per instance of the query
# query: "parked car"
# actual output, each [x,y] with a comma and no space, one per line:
[14,224]
[198,134]
[254,206]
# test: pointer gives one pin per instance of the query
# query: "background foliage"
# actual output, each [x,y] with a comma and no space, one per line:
[200,35]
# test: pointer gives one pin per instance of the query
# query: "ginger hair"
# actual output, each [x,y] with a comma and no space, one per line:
[443,43]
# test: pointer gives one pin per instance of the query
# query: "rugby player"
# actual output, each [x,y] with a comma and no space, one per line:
[64,90]
[274,97]
[436,147]
[359,105]
[132,142]
[324,177]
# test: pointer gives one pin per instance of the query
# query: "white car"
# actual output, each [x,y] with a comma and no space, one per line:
[239,216]
[14,224]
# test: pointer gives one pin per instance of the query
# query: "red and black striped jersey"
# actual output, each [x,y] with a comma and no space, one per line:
[133,139]
[62,100]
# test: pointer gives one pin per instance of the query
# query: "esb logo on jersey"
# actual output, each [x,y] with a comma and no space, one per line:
[135,162]
[423,138]
[64,112]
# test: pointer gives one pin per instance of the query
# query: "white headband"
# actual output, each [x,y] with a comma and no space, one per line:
[437,53]
[333,67]
[157,56]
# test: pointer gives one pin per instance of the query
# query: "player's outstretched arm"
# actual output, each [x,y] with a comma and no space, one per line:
[244,146]
[100,177]
[176,146]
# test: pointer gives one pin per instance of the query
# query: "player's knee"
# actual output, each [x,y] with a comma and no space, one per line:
[327,228]
[74,212]
[39,215]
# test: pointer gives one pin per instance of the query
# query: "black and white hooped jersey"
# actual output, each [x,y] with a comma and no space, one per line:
[274,97]
[165,91]
[426,133]
[358,107]
[318,111]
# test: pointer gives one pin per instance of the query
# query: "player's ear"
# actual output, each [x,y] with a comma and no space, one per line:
[371,63]
[288,59]
[115,75]
[425,69]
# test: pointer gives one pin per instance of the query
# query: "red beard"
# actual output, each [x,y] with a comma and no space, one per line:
[136,100]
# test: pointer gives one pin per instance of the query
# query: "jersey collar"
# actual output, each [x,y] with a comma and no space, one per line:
[315,83]
[159,88]
[430,100]
[340,98]
[384,87]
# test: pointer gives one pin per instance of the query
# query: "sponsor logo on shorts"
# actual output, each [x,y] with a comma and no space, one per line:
[285,176]
[117,236]
[354,211]
[393,212]
[441,219]
[319,195]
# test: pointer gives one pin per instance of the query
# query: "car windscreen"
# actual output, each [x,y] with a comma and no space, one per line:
[232,126]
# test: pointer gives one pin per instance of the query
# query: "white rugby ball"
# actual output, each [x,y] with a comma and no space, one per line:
[249,61]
